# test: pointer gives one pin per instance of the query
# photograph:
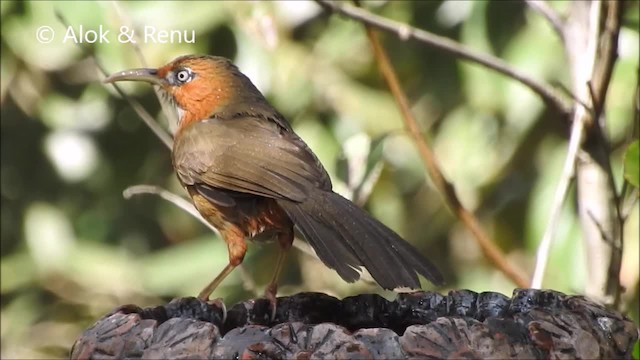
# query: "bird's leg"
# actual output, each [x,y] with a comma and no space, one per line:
[206,292]
[285,239]
[237,249]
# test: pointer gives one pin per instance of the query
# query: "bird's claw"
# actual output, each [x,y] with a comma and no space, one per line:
[270,294]
[218,302]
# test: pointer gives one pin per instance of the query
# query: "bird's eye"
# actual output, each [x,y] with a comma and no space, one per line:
[184,76]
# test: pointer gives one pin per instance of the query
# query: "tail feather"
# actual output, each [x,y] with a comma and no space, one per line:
[376,254]
[417,262]
[336,255]
[346,237]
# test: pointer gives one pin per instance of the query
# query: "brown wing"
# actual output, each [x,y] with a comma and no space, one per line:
[248,155]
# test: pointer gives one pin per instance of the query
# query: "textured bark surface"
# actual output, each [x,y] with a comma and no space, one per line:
[463,324]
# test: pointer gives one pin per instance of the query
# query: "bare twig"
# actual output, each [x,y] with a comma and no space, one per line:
[176,200]
[565,90]
[552,16]
[603,233]
[124,19]
[542,254]
[407,32]
[142,113]
[581,115]
[608,51]
[490,250]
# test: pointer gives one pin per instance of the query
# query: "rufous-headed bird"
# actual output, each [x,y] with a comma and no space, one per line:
[252,177]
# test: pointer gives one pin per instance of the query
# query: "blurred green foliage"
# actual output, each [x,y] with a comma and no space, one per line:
[74,248]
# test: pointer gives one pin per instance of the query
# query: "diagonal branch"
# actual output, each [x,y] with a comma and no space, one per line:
[139,109]
[552,16]
[176,200]
[125,19]
[490,250]
[407,32]
[559,198]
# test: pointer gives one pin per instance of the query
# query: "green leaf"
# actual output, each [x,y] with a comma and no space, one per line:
[632,164]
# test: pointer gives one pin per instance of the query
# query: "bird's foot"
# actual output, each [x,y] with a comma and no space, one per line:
[270,294]
[219,303]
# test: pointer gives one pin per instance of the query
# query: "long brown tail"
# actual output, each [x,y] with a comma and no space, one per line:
[345,237]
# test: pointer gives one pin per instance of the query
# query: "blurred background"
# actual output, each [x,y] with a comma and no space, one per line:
[73,248]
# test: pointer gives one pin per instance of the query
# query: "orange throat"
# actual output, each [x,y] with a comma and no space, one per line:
[193,105]
[199,99]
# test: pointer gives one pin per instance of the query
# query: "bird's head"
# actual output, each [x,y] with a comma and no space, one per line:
[199,87]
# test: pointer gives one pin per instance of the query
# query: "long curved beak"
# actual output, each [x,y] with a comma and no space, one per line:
[146,75]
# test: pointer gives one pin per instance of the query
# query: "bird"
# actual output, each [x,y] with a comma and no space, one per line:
[253,178]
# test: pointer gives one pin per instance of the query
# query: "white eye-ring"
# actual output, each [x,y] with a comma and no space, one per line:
[183,75]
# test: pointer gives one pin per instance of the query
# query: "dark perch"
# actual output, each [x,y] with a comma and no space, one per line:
[464,324]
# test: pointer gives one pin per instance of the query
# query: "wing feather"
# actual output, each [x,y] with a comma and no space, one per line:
[249,155]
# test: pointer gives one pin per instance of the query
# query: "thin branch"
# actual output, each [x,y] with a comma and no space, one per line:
[139,109]
[565,90]
[406,32]
[490,250]
[568,172]
[176,200]
[143,114]
[608,52]
[552,16]
[124,19]
[603,233]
